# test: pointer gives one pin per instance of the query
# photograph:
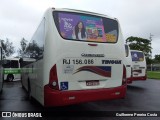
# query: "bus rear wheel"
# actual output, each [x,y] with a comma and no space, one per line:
[10,77]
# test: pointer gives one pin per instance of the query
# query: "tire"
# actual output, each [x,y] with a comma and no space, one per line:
[10,77]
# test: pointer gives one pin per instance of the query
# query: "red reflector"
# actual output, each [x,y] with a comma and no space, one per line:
[124,80]
[53,79]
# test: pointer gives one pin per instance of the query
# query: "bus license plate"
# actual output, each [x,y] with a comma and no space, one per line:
[136,66]
[92,83]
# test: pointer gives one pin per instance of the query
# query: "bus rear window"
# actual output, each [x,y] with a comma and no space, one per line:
[137,56]
[87,28]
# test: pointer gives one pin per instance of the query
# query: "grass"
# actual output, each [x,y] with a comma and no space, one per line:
[153,75]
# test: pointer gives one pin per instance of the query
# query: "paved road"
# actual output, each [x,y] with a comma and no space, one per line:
[141,96]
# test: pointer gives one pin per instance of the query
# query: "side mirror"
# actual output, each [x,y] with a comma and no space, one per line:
[21,62]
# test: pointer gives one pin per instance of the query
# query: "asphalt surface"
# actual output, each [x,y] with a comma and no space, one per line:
[141,96]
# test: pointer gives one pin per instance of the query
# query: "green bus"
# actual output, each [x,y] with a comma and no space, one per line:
[12,70]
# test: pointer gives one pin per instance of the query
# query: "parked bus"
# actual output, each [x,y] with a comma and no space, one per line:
[1,68]
[128,64]
[79,58]
[12,71]
[138,65]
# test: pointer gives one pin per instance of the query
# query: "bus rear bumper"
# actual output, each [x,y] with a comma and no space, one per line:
[62,98]
[143,78]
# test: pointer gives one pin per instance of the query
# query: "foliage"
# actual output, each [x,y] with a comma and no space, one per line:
[142,44]
[156,59]
[23,44]
[149,61]
[137,43]
[8,48]
[33,50]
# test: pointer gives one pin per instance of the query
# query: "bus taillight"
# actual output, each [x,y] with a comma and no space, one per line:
[124,76]
[53,79]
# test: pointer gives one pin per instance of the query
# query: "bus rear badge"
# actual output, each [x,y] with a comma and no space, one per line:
[92,55]
[111,61]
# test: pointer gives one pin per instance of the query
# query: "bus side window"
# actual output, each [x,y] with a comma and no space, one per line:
[35,48]
[126,50]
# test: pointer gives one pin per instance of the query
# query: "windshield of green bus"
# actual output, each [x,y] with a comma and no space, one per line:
[85,27]
[137,56]
[11,64]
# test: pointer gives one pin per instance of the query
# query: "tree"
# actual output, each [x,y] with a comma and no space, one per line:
[137,43]
[8,48]
[156,59]
[149,61]
[33,50]
[23,44]
[142,44]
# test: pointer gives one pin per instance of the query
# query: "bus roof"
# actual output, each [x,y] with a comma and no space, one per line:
[11,58]
[29,59]
[82,11]
[136,51]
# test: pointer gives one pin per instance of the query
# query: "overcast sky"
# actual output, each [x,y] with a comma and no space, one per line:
[19,18]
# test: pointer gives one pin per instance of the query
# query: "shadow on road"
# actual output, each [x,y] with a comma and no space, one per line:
[135,88]
[141,96]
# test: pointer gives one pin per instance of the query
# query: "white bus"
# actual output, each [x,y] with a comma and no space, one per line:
[79,58]
[128,64]
[12,71]
[138,65]
[1,68]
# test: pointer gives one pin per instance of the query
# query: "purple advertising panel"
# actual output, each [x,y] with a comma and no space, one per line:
[137,56]
[81,27]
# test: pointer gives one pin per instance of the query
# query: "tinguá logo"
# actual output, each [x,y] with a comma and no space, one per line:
[111,61]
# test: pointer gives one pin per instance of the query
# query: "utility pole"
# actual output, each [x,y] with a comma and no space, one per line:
[150,38]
